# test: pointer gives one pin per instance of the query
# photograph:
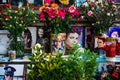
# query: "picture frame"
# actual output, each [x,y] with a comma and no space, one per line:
[58,43]
[75,36]
[23,2]
[95,43]
[29,39]
[17,2]
[117,1]
[99,45]
[88,37]
[43,38]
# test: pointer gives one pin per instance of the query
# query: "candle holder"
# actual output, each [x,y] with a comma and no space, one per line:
[110,49]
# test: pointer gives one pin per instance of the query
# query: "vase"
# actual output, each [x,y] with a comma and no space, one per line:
[17,45]
[58,43]
[12,54]
[110,49]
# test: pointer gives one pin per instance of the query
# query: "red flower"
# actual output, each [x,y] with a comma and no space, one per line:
[104,5]
[6,17]
[17,8]
[93,3]
[35,7]
[42,16]
[21,18]
[115,75]
[3,22]
[2,13]
[7,6]
[61,14]
[75,14]
[52,13]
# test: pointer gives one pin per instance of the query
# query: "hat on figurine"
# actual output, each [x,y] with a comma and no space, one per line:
[9,71]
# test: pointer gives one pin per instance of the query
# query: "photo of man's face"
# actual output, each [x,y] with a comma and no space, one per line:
[72,39]
[100,43]
[75,36]
[58,45]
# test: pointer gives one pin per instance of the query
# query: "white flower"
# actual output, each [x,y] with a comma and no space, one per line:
[93,8]
[85,4]
[20,24]
[38,46]
[16,11]
[41,52]
[34,21]
[108,14]
[33,12]
[10,25]
[16,22]
[15,17]
[11,17]
[9,11]
[34,53]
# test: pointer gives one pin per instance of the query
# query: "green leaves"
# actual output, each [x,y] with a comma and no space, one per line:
[76,66]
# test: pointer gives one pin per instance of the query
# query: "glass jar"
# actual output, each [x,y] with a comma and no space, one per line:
[110,49]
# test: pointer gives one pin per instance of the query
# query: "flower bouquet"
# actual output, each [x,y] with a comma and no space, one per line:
[112,73]
[58,17]
[100,13]
[16,21]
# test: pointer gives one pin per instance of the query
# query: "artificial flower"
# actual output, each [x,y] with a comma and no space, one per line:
[113,72]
